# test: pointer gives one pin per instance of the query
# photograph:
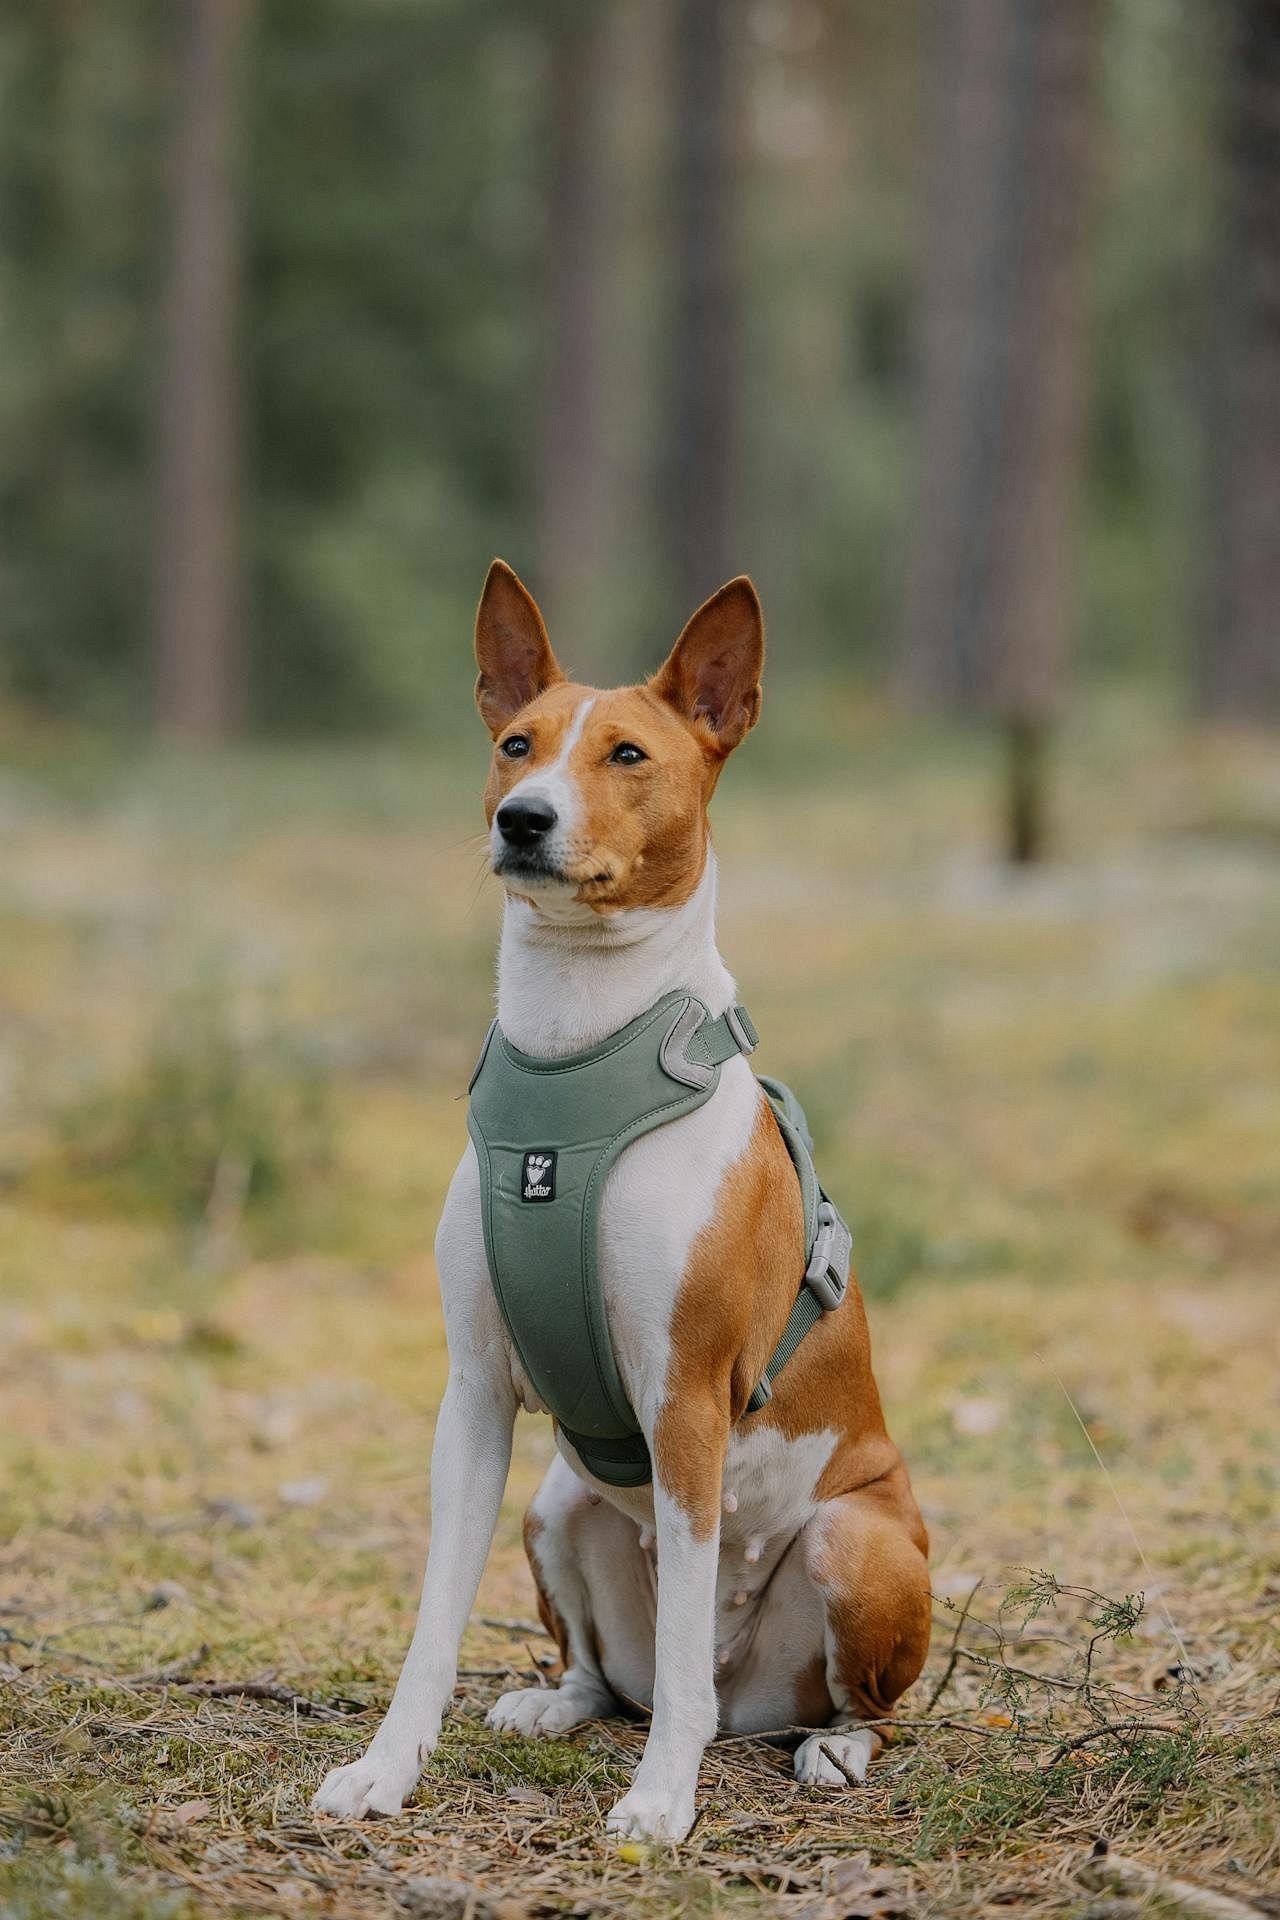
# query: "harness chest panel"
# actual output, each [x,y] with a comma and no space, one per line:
[546,1132]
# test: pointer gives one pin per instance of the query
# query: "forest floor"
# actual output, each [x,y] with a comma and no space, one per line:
[238,1005]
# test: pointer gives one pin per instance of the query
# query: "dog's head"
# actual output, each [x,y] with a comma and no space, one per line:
[597,798]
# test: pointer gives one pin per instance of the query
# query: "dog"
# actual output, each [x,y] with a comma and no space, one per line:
[773,1572]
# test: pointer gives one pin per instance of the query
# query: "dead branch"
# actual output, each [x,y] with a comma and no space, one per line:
[173,1670]
[1111,1729]
[274,1690]
[1105,1871]
[953,1651]
[839,1765]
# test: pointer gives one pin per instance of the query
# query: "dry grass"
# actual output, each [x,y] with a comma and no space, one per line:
[1052,1108]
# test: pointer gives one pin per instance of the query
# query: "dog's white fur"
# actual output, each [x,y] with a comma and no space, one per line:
[736,1614]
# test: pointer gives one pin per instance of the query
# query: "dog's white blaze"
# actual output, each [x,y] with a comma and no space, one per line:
[554,783]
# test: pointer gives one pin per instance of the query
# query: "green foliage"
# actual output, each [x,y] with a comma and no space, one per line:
[991,1800]
[888,1252]
[391,212]
[1111,1619]
[213,1121]
[393,198]
[387,211]
[81,115]
[1006,1788]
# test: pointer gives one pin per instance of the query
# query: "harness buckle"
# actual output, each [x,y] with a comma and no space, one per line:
[742,1027]
[762,1395]
[827,1275]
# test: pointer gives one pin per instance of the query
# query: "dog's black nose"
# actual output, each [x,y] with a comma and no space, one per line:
[523,822]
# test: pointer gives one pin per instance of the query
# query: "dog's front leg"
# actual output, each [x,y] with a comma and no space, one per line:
[688,1450]
[469,1462]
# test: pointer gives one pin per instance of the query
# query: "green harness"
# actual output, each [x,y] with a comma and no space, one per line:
[546,1133]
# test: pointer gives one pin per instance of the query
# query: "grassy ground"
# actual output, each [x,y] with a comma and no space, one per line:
[238,1005]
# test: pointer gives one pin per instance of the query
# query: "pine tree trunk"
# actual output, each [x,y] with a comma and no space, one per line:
[573,492]
[1238,664]
[703,348]
[199,689]
[1002,396]
[961,348]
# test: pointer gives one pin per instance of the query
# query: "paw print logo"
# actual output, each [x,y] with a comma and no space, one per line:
[539,1175]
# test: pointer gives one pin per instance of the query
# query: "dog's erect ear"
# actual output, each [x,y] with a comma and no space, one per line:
[512,650]
[713,672]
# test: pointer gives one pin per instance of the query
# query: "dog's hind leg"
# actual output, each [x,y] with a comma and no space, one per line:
[865,1553]
[595,1592]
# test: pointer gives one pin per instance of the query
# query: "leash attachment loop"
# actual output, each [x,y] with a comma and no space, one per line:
[827,1274]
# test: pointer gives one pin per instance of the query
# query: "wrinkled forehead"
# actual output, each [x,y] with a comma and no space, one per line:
[590,713]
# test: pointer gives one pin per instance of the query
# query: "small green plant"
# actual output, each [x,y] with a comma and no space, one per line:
[213,1122]
[1111,1619]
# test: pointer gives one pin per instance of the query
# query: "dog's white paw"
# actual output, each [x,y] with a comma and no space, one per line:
[651,1814]
[846,1755]
[542,1712]
[378,1783]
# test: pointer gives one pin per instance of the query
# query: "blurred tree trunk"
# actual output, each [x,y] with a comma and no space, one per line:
[989,602]
[38,243]
[574,494]
[1238,666]
[803,128]
[199,688]
[703,370]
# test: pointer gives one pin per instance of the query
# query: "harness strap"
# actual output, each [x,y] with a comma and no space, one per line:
[828,1241]
[621,1462]
[696,1046]
[718,1040]
[540,1198]
[825,1284]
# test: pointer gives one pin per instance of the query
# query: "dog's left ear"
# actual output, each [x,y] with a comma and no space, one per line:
[512,649]
[712,674]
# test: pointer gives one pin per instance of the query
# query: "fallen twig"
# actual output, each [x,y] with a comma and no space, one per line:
[916,1724]
[1106,1871]
[953,1651]
[178,1669]
[1056,1682]
[275,1690]
[839,1765]
[1111,1729]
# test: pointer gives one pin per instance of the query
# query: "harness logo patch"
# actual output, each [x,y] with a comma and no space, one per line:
[538,1180]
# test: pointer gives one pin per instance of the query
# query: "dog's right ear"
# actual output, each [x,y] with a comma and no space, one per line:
[512,650]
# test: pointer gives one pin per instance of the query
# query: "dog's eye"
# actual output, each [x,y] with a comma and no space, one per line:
[516,747]
[627,754]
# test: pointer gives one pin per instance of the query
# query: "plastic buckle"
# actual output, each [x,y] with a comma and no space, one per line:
[742,1027]
[827,1275]
[762,1395]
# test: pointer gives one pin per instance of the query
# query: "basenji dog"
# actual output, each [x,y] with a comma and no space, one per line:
[772,1574]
